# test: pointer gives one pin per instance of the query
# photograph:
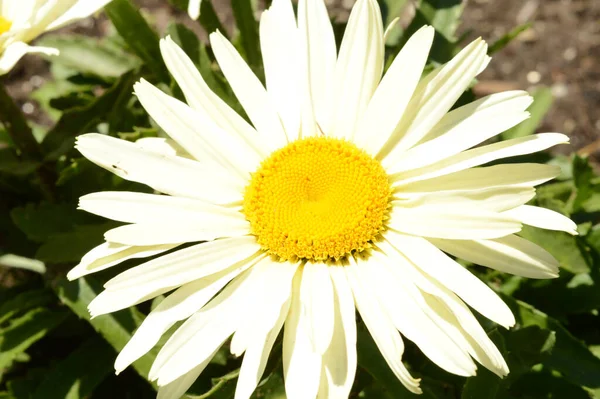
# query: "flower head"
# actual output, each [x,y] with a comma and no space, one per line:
[21,21]
[346,192]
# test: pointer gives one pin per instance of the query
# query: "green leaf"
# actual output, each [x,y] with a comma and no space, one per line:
[89,56]
[76,376]
[11,164]
[71,246]
[24,301]
[209,19]
[116,328]
[443,15]
[243,13]
[78,120]
[390,10]
[582,177]
[138,35]
[542,101]
[509,37]
[25,331]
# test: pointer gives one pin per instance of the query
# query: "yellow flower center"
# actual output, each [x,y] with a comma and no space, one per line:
[317,198]
[4,25]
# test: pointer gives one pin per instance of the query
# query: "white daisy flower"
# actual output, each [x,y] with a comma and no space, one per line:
[347,191]
[21,21]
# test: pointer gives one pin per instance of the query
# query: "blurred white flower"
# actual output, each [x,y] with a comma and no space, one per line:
[347,192]
[194,8]
[21,21]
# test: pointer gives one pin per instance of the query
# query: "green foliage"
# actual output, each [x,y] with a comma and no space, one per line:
[50,348]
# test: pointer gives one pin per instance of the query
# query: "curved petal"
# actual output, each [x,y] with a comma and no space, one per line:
[442,268]
[16,50]
[250,92]
[543,218]
[510,254]
[81,9]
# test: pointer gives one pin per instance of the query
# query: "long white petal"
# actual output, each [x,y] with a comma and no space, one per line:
[168,174]
[493,199]
[318,58]
[518,175]
[301,365]
[382,330]
[510,254]
[197,133]
[279,40]
[394,92]
[359,67]
[340,359]
[16,50]
[543,218]
[249,91]
[466,127]
[452,275]
[170,271]
[458,223]
[110,254]
[400,300]
[209,228]
[81,9]
[179,305]
[481,155]
[316,295]
[178,387]
[433,97]
[463,327]
[201,98]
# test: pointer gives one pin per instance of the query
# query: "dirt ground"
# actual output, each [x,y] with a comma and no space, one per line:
[561,50]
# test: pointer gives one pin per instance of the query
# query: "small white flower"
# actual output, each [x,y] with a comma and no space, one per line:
[346,193]
[21,21]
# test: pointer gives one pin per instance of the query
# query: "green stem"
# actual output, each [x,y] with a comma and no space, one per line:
[21,134]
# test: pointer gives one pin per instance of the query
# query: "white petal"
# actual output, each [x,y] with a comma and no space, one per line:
[211,227]
[261,314]
[198,134]
[316,295]
[177,388]
[201,98]
[132,207]
[510,254]
[170,271]
[301,365]
[340,361]
[167,174]
[179,305]
[194,8]
[518,174]
[457,223]
[81,9]
[394,92]
[433,97]
[463,328]
[493,199]
[279,37]
[466,127]
[404,304]
[481,155]
[204,332]
[452,275]
[257,355]
[162,145]
[111,254]
[543,218]
[358,68]
[319,53]
[16,50]
[249,91]
[382,330]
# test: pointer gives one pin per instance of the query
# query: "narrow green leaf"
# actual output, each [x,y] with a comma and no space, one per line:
[138,35]
[509,37]
[443,15]
[542,101]
[117,328]
[76,376]
[24,301]
[582,177]
[209,19]
[243,13]
[78,120]
[41,221]
[25,331]
[88,55]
